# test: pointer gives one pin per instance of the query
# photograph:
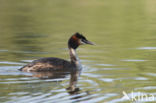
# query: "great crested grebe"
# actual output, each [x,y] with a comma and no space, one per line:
[51,63]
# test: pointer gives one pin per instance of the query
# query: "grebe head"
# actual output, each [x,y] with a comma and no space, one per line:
[76,40]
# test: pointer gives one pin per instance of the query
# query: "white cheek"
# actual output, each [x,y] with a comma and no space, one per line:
[81,42]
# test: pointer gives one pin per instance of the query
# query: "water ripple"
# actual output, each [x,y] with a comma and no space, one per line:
[133,60]
[147,48]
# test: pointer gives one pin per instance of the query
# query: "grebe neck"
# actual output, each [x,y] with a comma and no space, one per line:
[73,57]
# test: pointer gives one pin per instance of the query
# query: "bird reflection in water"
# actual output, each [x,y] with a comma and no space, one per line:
[74,75]
[72,88]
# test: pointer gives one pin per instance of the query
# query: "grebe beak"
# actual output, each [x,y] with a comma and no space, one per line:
[88,42]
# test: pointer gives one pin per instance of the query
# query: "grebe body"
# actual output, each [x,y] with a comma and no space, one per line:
[52,63]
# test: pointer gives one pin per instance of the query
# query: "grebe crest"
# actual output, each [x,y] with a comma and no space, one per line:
[51,63]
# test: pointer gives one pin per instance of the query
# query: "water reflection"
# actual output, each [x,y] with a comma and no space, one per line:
[72,89]
[73,80]
[50,75]
[73,72]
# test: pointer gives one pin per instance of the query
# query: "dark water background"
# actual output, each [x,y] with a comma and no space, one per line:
[123,59]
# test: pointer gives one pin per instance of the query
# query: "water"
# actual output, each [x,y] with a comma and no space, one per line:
[123,60]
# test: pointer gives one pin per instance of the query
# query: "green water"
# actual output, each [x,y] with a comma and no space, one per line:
[123,58]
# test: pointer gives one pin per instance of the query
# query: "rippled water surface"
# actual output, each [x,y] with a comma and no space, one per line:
[122,62]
